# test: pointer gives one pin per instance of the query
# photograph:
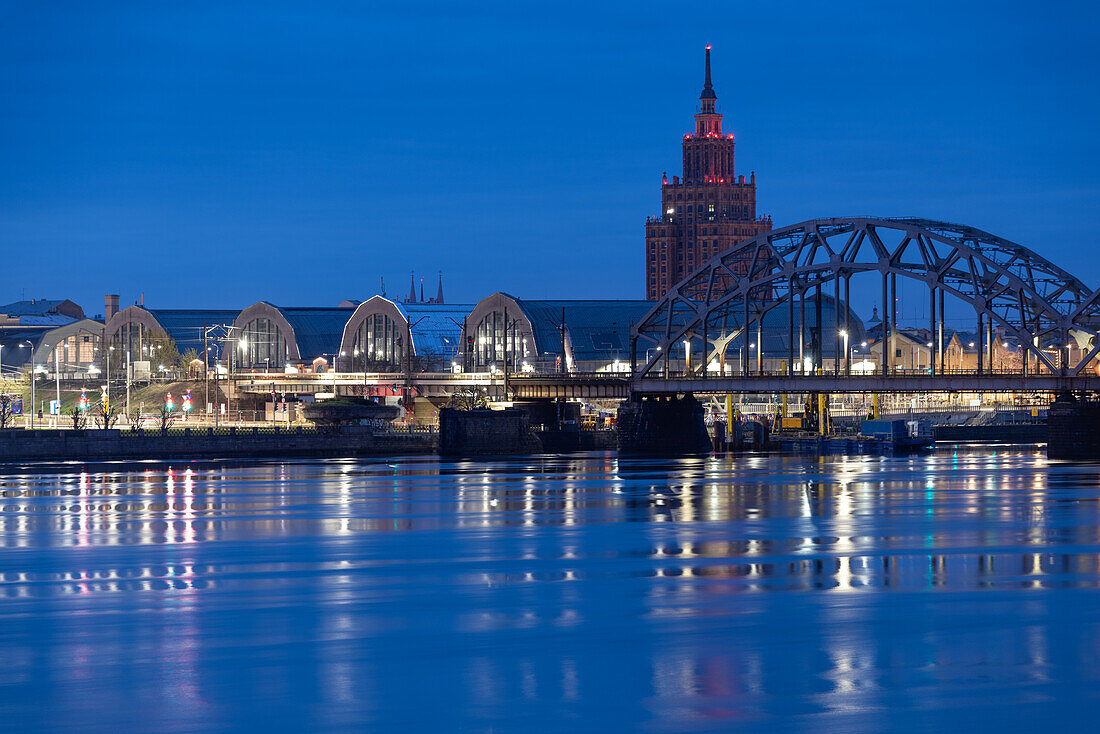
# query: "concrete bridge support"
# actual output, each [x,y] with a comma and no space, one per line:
[662,425]
[1073,429]
[486,433]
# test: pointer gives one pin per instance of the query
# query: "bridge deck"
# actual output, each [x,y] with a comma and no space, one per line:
[916,383]
[531,386]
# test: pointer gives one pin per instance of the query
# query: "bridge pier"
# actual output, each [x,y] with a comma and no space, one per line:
[662,425]
[1073,428]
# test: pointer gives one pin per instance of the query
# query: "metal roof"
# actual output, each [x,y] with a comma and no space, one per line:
[13,354]
[185,326]
[597,330]
[33,307]
[317,331]
[777,329]
[438,329]
[48,320]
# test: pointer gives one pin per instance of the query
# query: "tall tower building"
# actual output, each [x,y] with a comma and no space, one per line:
[708,211]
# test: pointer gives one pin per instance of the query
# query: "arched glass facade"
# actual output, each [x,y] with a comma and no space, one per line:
[262,345]
[135,342]
[379,342]
[494,340]
[137,339]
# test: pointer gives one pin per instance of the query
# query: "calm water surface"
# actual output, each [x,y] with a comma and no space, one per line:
[955,592]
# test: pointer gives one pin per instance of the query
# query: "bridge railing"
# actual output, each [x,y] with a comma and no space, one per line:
[737,374]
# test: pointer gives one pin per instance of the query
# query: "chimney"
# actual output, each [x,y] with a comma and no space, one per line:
[110,306]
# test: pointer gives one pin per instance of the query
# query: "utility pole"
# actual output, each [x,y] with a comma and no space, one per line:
[127,381]
[57,380]
[217,397]
[506,354]
[205,369]
[561,329]
[408,364]
[33,406]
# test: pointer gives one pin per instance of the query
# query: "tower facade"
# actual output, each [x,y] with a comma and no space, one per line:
[708,210]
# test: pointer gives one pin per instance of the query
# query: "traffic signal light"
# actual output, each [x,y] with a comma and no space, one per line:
[169,403]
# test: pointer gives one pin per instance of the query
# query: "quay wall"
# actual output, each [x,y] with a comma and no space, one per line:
[566,441]
[1073,429]
[1007,433]
[662,426]
[115,444]
[486,432]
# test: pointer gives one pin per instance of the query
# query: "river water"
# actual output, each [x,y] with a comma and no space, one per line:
[951,592]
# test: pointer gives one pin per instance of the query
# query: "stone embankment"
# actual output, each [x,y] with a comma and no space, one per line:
[486,432]
[206,443]
[1073,429]
[659,426]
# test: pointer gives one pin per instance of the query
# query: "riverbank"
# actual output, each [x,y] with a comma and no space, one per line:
[195,443]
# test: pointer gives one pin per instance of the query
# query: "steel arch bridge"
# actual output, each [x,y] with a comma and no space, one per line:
[1013,292]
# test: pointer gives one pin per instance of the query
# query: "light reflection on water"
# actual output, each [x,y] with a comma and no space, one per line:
[553,594]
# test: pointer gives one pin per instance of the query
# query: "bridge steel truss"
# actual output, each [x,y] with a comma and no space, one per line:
[723,304]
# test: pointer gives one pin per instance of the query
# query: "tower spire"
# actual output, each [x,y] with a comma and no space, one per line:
[707,120]
[706,82]
[412,288]
[439,293]
[707,97]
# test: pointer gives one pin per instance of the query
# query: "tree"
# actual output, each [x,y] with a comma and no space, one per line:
[159,349]
[187,358]
[79,418]
[106,418]
[5,410]
[470,398]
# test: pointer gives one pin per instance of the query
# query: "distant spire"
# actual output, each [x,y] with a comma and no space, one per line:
[421,289]
[708,90]
[382,283]
[439,293]
[412,288]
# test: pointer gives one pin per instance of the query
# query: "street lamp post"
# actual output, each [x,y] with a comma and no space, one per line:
[847,355]
[57,381]
[128,373]
[32,384]
[30,346]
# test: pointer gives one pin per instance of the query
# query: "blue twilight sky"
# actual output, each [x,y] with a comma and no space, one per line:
[215,154]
